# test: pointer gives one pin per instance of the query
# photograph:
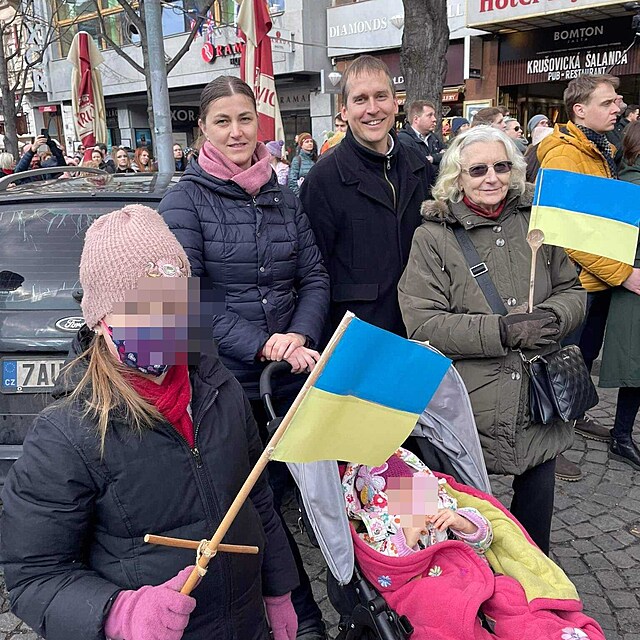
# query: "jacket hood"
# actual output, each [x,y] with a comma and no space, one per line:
[210,368]
[227,188]
[450,214]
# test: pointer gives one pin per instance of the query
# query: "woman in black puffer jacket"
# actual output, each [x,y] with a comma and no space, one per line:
[250,237]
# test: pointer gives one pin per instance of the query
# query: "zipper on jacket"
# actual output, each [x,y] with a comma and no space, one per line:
[387,167]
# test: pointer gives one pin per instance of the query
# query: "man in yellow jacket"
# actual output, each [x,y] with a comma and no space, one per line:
[582,146]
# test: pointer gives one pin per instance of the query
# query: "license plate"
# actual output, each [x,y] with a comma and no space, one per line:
[29,375]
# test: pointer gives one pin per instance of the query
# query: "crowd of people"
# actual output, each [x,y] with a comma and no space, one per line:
[45,151]
[379,223]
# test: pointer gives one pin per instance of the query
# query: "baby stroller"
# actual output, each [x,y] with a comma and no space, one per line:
[445,438]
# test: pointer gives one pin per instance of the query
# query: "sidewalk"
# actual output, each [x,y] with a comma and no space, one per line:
[595,539]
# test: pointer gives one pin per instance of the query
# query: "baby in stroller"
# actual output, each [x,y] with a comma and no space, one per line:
[469,557]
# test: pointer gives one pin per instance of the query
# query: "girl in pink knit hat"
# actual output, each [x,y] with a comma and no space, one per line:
[150,434]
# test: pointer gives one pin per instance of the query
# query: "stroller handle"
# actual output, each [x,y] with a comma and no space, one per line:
[266,377]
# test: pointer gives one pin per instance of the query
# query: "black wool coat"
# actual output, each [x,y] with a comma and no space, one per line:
[73,524]
[364,208]
[261,252]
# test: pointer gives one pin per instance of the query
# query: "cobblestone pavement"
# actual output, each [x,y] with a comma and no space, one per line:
[595,539]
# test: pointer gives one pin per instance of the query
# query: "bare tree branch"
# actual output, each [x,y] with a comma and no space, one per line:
[187,44]
[139,68]
[116,47]
[132,14]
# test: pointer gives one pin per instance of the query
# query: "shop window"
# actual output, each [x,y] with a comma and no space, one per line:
[276,6]
[174,18]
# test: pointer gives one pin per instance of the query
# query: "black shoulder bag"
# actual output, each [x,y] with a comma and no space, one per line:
[560,385]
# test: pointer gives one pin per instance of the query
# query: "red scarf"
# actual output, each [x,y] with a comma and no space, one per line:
[171,398]
[492,215]
[251,180]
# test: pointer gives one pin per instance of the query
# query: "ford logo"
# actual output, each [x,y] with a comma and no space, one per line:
[72,323]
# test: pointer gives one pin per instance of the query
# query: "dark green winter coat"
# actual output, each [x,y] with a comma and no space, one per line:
[442,303]
[621,352]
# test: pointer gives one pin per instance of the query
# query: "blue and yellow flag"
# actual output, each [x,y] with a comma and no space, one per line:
[586,213]
[366,400]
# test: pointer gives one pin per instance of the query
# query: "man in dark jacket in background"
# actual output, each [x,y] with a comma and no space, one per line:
[364,201]
[628,114]
[419,133]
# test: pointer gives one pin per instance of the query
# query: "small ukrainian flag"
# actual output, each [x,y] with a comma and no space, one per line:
[587,213]
[366,399]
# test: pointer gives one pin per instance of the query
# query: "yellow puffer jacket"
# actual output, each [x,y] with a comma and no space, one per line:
[570,150]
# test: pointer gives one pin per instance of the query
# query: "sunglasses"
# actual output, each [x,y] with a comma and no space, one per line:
[480,170]
[517,128]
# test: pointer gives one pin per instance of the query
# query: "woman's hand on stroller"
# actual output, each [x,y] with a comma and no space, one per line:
[449,519]
[281,345]
[303,360]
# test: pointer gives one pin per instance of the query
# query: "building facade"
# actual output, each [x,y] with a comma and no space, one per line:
[376,27]
[297,67]
[542,44]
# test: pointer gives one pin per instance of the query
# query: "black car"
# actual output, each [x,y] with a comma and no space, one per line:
[42,227]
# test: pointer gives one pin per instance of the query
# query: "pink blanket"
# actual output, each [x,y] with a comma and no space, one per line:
[442,588]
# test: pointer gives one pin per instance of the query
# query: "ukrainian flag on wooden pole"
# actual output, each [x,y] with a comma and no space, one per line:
[359,403]
[586,213]
[363,398]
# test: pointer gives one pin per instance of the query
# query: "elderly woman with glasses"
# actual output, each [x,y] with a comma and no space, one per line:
[481,199]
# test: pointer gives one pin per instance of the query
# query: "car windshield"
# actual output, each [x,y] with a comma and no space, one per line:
[40,253]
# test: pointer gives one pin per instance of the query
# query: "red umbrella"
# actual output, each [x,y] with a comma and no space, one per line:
[87,97]
[256,66]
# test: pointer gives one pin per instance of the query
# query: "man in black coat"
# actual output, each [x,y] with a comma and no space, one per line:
[363,201]
[419,133]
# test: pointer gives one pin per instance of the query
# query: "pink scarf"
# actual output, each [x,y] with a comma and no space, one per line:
[251,180]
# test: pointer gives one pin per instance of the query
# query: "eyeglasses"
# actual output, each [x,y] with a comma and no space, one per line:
[480,170]
[517,128]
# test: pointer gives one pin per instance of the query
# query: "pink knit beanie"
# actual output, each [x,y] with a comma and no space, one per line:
[120,248]
[397,468]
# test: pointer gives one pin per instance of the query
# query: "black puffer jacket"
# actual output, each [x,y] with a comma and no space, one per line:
[73,523]
[261,252]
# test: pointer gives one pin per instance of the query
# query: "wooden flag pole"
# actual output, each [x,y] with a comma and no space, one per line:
[195,545]
[535,238]
[211,549]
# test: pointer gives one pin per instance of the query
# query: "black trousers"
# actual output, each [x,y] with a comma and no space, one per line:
[589,336]
[532,504]
[281,481]
[592,337]
[626,412]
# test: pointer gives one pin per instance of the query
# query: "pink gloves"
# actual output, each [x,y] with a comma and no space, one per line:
[282,617]
[152,613]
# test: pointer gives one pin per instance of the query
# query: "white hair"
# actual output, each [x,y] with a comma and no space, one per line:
[447,187]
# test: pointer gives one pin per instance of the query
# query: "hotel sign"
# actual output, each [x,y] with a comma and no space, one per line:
[483,13]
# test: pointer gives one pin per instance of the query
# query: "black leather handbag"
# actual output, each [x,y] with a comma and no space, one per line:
[560,384]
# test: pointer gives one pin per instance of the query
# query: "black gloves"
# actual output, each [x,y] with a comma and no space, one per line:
[528,330]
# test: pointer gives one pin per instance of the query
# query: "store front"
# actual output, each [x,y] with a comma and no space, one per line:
[376,27]
[535,66]
[295,109]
